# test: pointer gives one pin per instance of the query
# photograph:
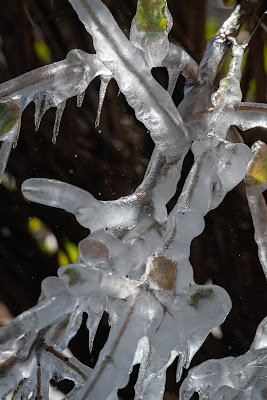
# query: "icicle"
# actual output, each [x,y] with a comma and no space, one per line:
[16,133]
[59,113]
[42,104]
[180,366]
[102,92]
[173,76]
[92,326]
[80,98]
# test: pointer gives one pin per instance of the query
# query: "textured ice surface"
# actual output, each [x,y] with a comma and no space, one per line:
[48,86]
[90,213]
[152,104]
[150,28]
[242,378]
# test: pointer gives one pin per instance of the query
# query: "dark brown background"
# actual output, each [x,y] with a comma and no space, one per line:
[110,162]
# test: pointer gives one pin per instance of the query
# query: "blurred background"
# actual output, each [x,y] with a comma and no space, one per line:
[110,162]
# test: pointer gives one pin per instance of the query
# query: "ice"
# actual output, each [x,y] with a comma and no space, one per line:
[95,313]
[48,86]
[90,213]
[134,264]
[102,92]
[178,61]
[233,165]
[59,113]
[80,98]
[123,338]
[242,377]
[243,115]
[152,375]
[149,30]
[4,155]
[42,104]
[128,67]
[105,250]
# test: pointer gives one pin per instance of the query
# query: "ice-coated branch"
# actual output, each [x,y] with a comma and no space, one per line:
[152,104]
[243,115]
[197,96]
[56,82]
[48,86]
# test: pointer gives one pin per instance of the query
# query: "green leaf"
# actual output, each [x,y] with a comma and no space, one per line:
[212,25]
[72,251]
[34,224]
[63,259]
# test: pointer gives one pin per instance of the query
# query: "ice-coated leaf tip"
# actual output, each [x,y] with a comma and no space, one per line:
[9,114]
[150,15]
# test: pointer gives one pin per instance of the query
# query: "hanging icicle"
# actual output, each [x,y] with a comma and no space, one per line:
[102,92]
[59,113]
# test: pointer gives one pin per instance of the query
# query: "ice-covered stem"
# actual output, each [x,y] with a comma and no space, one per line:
[58,81]
[149,33]
[48,327]
[48,86]
[179,61]
[197,97]
[214,173]
[256,180]
[150,198]
[229,110]
[219,166]
[112,371]
[20,338]
[243,115]
[152,104]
